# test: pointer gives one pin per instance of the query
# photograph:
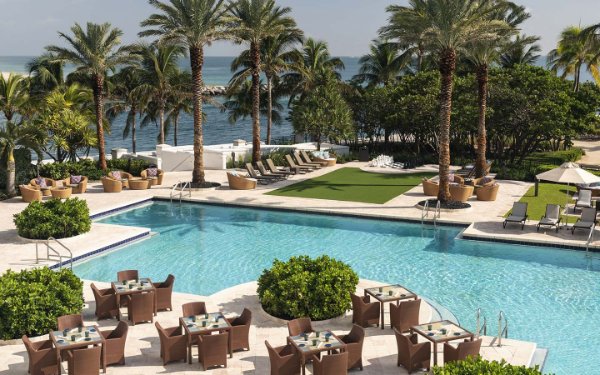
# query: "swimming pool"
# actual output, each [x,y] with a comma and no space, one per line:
[550,296]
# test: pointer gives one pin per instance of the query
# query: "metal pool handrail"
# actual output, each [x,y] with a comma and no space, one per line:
[479,328]
[55,253]
[183,186]
[502,331]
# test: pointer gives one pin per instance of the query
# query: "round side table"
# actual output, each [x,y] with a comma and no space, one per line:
[61,192]
[138,184]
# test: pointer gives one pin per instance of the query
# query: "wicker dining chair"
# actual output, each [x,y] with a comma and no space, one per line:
[193,308]
[173,343]
[164,291]
[84,361]
[364,312]
[114,344]
[405,315]
[284,360]
[300,325]
[106,303]
[69,321]
[140,308]
[127,275]
[42,357]
[212,350]
[354,346]
[332,364]
[240,330]
[411,354]
[462,351]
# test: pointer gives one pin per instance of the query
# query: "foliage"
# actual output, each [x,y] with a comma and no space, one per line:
[477,366]
[318,288]
[25,171]
[53,218]
[31,300]
[91,169]
[536,163]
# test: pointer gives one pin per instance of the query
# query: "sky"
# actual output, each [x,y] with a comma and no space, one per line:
[26,26]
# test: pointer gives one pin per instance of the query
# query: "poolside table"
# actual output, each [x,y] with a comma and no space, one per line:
[205,324]
[315,343]
[75,339]
[440,332]
[129,287]
[389,293]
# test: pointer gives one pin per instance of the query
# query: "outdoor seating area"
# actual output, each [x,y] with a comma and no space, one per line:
[462,188]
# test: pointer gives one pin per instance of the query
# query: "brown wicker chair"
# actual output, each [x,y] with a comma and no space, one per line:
[79,188]
[42,357]
[487,193]
[140,308]
[173,343]
[412,355]
[284,360]
[164,291]
[240,182]
[212,350]
[106,303]
[49,182]
[124,180]
[84,361]
[333,364]
[300,325]
[430,188]
[462,351]
[193,308]
[461,193]
[483,181]
[405,315]
[354,346]
[240,330]
[457,180]
[127,275]
[30,193]
[114,344]
[364,312]
[154,181]
[110,185]
[69,322]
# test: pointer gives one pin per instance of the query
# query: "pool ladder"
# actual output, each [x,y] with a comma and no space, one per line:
[482,329]
[589,241]
[436,214]
[502,331]
[53,253]
[182,188]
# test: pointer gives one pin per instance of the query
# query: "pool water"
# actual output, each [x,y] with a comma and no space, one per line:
[550,296]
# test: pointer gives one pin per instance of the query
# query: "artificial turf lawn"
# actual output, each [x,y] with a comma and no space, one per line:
[354,185]
[548,194]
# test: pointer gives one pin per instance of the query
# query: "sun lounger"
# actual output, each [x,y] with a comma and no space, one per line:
[587,219]
[302,163]
[551,218]
[263,172]
[584,199]
[293,165]
[255,175]
[287,170]
[518,214]
[308,160]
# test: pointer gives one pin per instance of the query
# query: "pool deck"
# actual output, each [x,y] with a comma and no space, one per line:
[143,346]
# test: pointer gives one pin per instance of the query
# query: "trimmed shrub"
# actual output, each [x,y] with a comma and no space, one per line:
[31,300]
[53,218]
[89,168]
[318,288]
[478,366]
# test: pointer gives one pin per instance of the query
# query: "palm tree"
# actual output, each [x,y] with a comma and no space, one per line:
[275,56]
[13,95]
[179,101]
[46,72]
[382,65]
[192,24]
[253,21]
[13,136]
[523,49]
[94,52]
[575,48]
[239,103]
[446,26]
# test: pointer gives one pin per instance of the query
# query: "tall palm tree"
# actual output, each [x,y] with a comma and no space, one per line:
[180,101]
[253,21]
[13,136]
[13,95]
[193,24]
[382,65]
[239,103]
[276,55]
[446,26]
[574,50]
[523,49]
[46,72]
[94,51]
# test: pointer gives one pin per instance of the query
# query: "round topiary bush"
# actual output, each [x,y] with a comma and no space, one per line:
[53,218]
[318,288]
[31,300]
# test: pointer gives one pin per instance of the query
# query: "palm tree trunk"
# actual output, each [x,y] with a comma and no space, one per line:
[577,77]
[133,129]
[270,108]
[482,81]
[98,89]
[197,61]
[10,174]
[175,123]
[447,67]
[254,51]
[161,121]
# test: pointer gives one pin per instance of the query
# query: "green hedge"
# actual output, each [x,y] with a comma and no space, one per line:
[53,218]
[318,288]
[480,366]
[535,164]
[89,168]
[31,300]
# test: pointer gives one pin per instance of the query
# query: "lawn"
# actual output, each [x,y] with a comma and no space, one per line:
[354,185]
[548,193]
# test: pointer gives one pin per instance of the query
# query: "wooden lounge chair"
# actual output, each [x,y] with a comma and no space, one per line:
[302,163]
[300,325]
[288,170]
[430,188]
[354,346]
[237,182]
[551,218]
[411,354]
[157,180]
[30,193]
[69,322]
[487,193]
[42,357]
[127,275]
[164,291]
[584,199]
[173,343]
[332,364]
[518,214]
[106,303]
[284,360]
[308,159]
[462,351]
[76,188]
[252,173]
[110,185]
[240,330]
[365,312]
[294,166]
[405,315]
[193,308]
[114,344]
[212,350]
[264,172]
[587,220]
[84,361]
[140,308]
